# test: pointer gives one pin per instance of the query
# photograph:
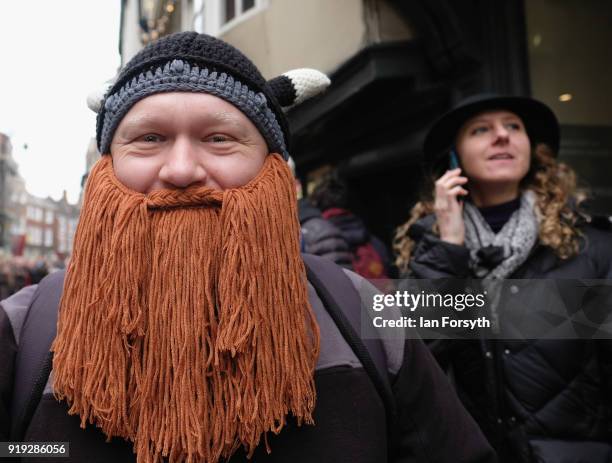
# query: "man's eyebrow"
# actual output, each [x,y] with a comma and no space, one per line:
[152,118]
[227,117]
[134,121]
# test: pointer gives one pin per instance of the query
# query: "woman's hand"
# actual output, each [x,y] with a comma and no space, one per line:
[447,207]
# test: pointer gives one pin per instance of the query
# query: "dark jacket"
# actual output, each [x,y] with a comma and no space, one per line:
[350,421]
[322,238]
[356,234]
[536,400]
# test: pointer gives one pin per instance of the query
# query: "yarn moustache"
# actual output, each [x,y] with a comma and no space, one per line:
[185,325]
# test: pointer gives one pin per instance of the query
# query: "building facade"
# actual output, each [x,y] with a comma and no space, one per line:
[43,227]
[9,180]
[31,226]
[65,224]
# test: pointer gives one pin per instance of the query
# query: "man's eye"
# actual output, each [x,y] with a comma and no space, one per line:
[151,138]
[514,126]
[218,138]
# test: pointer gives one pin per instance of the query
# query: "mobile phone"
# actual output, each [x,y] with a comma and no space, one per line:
[454,159]
[454,163]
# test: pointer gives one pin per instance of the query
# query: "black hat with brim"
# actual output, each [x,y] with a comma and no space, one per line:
[540,122]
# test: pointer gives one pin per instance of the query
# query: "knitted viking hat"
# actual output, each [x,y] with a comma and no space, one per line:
[192,62]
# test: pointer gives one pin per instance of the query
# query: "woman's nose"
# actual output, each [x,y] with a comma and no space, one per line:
[182,166]
[501,132]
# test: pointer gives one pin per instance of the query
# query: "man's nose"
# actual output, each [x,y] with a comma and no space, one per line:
[182,166]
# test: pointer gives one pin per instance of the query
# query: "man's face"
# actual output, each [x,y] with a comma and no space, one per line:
[179,139]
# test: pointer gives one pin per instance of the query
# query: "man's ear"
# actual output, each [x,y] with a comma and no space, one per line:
[298,85]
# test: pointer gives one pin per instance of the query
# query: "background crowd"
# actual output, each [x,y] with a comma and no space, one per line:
[17,272]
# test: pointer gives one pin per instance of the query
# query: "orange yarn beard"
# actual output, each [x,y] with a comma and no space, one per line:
[185,324]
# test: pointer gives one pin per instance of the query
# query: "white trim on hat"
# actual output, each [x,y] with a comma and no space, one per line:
[307,83]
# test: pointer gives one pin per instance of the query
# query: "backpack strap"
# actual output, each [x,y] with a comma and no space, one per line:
[343,303]
[33,360]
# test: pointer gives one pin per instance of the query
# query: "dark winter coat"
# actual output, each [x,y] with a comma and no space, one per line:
[356,234]
[538,400]
[322,238]
[350,421]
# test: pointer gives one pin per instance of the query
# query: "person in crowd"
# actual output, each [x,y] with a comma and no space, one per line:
[505,207]
[20,270]
[319,236]
[57,264]
[38,270]
[7,280]
[187,328]
[370,257]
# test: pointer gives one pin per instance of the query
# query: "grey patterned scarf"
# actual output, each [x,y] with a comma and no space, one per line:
[494,257]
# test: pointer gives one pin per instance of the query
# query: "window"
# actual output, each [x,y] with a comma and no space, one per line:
[61,225]
[72,230]
[229,10]
[233,9]
[34,236]
[216,16]
[567,63]
[62,234]
[568,49]
[34,213]
[18,227]
[48,237]
[49,217]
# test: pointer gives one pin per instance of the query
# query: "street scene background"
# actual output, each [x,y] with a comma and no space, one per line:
[395,67]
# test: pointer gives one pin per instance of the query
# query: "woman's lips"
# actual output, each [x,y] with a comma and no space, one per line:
[500,157]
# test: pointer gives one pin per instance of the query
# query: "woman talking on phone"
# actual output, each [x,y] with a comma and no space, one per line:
[503,207]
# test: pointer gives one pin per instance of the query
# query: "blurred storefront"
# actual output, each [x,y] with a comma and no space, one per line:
[568,47]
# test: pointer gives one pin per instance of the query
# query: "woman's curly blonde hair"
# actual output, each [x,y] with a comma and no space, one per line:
[558,198]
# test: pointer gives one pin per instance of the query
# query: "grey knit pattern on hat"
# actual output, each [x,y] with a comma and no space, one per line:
[179,75]
[192,62]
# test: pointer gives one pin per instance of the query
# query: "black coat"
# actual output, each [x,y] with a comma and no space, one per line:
[355,233]
[322,238]
[537,400]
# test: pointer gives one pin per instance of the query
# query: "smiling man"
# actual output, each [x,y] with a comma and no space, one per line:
[177,140]
[187,328]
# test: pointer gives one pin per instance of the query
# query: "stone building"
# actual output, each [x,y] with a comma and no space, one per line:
[31,226]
